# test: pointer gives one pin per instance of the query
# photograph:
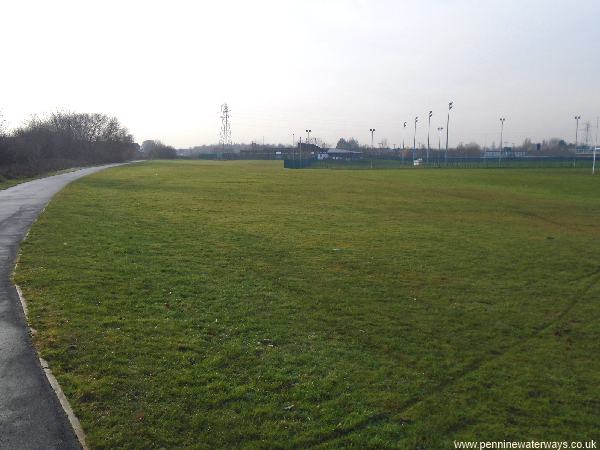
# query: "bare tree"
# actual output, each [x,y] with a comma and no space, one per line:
[64,139]
[2,125]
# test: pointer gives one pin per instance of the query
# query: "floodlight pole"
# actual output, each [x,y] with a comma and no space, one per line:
[428,129]
[576,132]
[372,130]
[502,119]
[415,140]
[447,133]
[403,132]
[440,129]
[595,147]
[308,136]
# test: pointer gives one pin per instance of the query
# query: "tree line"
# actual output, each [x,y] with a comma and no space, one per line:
[62,140]
[551,147]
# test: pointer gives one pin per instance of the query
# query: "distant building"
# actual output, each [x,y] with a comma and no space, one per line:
[312,148]
[492,154]
[506,152]
[338,153]
[586,151]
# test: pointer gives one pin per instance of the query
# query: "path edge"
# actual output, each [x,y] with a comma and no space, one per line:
[54,384]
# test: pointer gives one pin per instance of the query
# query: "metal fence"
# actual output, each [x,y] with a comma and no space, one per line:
[387,162]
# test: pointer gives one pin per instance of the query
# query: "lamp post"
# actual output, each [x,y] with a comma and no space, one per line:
[502,119]
[415,140]
[450,105]
[428,128]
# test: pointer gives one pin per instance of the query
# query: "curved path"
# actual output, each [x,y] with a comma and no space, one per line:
[31,416]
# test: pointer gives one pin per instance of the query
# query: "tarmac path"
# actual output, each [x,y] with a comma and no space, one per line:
[31,416]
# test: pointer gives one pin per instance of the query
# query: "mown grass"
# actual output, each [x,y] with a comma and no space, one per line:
[241,305]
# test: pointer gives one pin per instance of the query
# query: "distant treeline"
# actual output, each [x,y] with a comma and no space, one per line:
[548,148]
[63,140]
[155,149]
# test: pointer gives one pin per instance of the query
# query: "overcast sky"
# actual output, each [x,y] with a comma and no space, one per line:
[337,67]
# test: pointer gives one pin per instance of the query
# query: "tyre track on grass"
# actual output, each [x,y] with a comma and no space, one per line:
[479,363]
[341,431]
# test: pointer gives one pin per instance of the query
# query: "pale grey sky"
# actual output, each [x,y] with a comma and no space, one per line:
[337,67]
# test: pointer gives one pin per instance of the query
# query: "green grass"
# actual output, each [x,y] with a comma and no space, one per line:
[6,183]
[241,305]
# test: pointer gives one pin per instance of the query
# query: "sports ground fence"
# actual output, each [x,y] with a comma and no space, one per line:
[387,162]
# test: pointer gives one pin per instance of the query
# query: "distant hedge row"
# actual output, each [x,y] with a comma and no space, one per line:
[62,140]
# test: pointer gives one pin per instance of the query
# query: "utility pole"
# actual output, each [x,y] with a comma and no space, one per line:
[428,128]
[502,119]
[447,126]
[415,140]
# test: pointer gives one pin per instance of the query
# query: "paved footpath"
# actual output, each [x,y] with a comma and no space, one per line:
[30,414]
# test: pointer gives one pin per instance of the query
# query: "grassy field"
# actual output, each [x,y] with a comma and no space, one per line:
[241,305]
